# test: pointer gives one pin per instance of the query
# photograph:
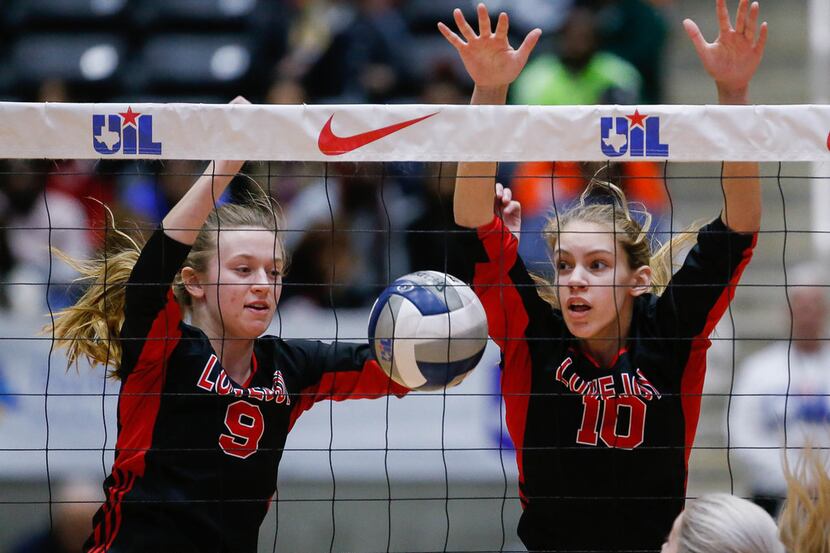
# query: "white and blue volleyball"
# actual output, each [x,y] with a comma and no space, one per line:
[428,330]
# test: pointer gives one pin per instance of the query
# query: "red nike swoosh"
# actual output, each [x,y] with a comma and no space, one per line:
[828,141]
[332,145]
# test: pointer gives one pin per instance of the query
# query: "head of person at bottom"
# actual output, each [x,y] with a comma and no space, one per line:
[603,260]
[723,523]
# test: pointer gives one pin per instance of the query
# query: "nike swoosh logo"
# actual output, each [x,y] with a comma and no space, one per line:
[332,145]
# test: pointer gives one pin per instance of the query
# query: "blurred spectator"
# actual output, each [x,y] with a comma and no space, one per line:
[74,505]
[430,246]
[637,31]
[367,61]
[578,72]
[548,15]
[782,396]
[150,195]
[363,203]
[34,219]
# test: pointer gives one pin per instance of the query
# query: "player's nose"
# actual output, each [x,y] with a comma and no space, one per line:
[578,278]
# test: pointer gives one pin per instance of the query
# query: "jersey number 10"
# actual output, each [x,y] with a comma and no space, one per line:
[608,431]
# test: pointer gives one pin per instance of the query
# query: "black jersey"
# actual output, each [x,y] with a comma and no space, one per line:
[197,453]
[603,451]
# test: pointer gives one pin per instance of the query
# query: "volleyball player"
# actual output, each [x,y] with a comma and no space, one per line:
[603,366]
[204,408]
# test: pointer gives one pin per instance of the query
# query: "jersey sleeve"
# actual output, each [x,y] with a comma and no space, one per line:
[699,293]
[499,278]
[151,315]
[337,371]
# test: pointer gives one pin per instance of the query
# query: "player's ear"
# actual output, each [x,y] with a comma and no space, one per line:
[641,281]
[192,283]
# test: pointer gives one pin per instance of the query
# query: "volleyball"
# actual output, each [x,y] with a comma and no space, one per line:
[428,330]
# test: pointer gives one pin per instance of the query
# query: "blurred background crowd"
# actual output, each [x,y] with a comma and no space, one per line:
[292,52]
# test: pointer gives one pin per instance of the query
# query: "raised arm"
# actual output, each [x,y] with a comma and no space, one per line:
[183,221]
[492,64]
[731,60]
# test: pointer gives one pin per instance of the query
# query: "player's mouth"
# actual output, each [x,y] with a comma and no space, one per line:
[578,306]
[258,306]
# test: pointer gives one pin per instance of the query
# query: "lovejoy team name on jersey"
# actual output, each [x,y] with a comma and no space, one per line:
[616,418]
[214,379]
[637,135]
[128,132]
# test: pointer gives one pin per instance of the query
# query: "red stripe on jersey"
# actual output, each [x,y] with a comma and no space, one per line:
[140,396]
[254,368]
[504,308]
[370,382]
[694,373]
[107,529]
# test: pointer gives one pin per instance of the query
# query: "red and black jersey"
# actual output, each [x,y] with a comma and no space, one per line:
[603,451]
[197,453]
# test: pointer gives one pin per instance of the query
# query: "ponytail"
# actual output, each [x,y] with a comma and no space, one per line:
[91,327]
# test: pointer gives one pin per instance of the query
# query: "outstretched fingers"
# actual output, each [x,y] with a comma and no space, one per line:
[723,16]
[752,23]
[740,17]
[483,21]
[466,31]
[762,39]
[528,44]
[451,37]
[696,36]
[502,26]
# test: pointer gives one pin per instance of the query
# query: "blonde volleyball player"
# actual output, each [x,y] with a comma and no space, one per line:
[603,366]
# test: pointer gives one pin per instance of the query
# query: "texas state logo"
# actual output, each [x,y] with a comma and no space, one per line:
[635,135]
[126,132]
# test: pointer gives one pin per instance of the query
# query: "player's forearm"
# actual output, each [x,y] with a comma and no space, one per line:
[183,222]
[741,180]
[475,183]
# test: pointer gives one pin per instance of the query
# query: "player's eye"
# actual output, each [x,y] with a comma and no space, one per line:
[598,264]
[562,266]
[242,269]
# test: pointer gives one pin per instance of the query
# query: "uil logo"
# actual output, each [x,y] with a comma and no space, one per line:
[127,132]
[636,135]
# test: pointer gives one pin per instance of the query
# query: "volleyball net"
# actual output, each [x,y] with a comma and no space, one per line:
[367,196]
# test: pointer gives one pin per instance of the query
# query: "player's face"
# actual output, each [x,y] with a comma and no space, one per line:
[248,267]
[670,545]
[594,281]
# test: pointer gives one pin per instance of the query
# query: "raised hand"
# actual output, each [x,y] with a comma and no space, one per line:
[509,209]
[733,57]
[488,56]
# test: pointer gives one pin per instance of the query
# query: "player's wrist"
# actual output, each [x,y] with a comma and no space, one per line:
[489,94]
[733,96]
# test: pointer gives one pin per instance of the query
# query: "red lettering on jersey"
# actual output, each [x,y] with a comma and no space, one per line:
[648,385]
[223,384]
[559,372]
[606,386]
[257,393]
[280,389]
[626,382]
[204,381]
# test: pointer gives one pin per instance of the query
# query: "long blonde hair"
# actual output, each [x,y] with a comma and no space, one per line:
[804,522]
[632,235]
[91,327]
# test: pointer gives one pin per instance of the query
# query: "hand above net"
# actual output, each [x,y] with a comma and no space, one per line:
[488,56]
[732,59]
